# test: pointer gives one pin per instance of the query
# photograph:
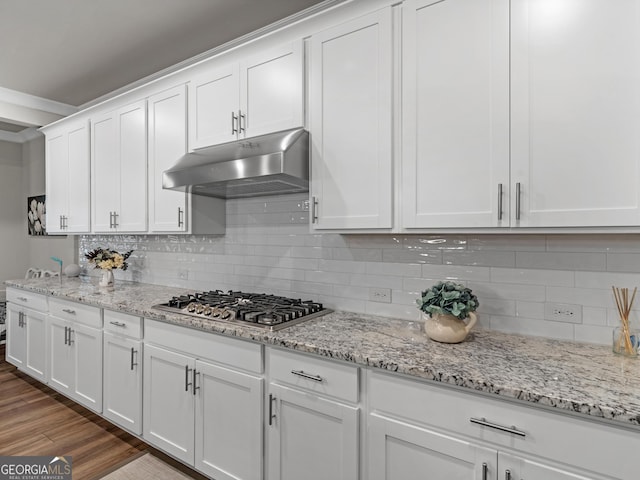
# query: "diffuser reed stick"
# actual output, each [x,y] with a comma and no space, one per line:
[624,304]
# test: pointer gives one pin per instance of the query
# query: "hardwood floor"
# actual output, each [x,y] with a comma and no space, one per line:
[36,420]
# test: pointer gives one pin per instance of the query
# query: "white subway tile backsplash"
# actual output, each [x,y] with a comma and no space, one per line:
[562,261]
[269,246]
[607,280]
[623,262]
[532,277]
[396,269]
[481,258]
[457,273]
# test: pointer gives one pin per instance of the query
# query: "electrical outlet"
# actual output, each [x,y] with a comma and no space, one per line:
[563,312]
[183,274]
[382,295]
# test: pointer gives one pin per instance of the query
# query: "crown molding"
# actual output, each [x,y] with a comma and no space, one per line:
[237,42]
[23,136]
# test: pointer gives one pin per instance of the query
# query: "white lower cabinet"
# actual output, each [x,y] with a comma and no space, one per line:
[27,340]
[417,429]
[313,419]
[399,449]
[75,352]
[204,413]
[122,370]
[311,437]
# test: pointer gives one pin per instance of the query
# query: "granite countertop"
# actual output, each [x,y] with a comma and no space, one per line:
[576,377]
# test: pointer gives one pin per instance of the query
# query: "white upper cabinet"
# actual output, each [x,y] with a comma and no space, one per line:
[455,113]
[67,178]
[119,164]
[351,124]
[167,143]
[575,112]
[261,94]
[545,137]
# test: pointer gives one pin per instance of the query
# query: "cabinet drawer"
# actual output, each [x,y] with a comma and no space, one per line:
[76,312]
[315,374]
[32,300]
[557,436]
[203,345]
[123,323]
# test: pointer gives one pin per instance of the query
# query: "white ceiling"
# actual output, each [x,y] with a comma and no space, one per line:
[65,53]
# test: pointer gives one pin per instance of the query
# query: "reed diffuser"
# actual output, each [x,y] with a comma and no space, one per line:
[625,341]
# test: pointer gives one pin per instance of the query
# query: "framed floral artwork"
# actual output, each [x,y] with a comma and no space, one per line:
[36,215]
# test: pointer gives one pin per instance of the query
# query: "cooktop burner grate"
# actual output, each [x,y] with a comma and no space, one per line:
[262,310]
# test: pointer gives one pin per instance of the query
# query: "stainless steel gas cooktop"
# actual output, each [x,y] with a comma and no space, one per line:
[261,310]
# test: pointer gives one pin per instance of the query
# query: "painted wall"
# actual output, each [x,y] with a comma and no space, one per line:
[40,249]
[519,279]
[13,208]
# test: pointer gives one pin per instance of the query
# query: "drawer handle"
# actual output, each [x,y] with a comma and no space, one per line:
[315,378]
[23,299]
[118,324]
[485,471]
[69,311]
[513,430]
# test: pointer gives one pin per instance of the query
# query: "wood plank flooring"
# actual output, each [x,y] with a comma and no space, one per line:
[36,420]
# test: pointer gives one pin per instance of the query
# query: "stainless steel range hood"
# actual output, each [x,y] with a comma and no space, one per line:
[271,164]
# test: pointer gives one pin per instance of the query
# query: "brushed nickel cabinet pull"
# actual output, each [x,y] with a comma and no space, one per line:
[507,475]
[133,352]
[483,421]
[518,191]
[118,324]
[69,311]
[66,335]
[314,209]
[242,119]
[187,383]
[194,386]
[180,217]
[485,470]
[499,201]
[23,299]
[271,414]
[315,378]
[234,119]
[115,220]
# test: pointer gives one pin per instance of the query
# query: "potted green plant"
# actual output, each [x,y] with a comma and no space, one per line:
[445,306]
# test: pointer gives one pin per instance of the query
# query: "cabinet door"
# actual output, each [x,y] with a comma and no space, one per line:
[16,336]
[271,91]
[167,143]
[214,99]
[79,179]
[61,356]
[168,412]
[86,344]
[351,111]
[575,117]
[512,467]
[228,423]
[311,437]
[122,387]
[131,215]
[105,178]
[57,180]
[36,344]
[455,113]
[402,450]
